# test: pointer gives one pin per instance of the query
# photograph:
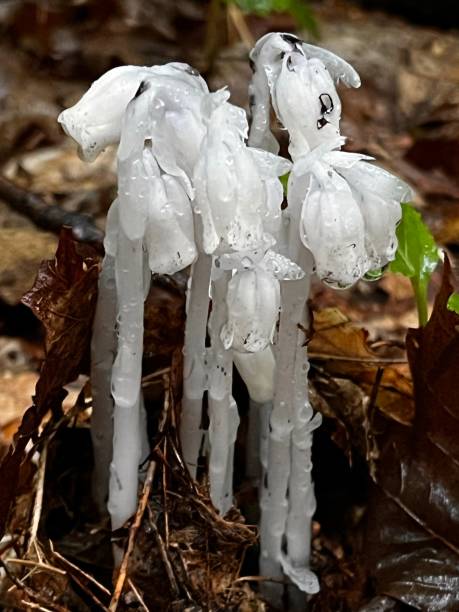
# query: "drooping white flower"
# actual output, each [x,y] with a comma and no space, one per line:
[270,168]
[229,190]
[253,299]
[238,194]
[95,120]
[253,307]
[378,194]
[349,212]
[305,100]
[168,111]
[154,206]
[300,79]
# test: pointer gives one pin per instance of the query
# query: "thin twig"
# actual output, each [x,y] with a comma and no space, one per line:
[49,217]
[35,606]
[165,504]
[154,375]
[184,570]
[36,565]
[132,535]
[143,502]
[88,592]
[164,556]
[79,571]
[30,592]
[370,361]
[38,502]
[260,579]
[138,595]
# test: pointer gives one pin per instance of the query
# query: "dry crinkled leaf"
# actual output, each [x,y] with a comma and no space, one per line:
[413,542]
[344,352]
[63,298]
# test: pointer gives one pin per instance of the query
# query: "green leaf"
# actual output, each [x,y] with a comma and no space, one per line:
[417,256]
[284,180]
[453,303]
[298,9]
[304,16]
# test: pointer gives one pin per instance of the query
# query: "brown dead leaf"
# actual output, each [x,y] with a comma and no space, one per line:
[413,532]
[63,298]
[343,351]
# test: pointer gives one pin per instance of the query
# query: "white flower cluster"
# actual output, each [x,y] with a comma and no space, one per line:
[183,150]
[196,187]
[347,208]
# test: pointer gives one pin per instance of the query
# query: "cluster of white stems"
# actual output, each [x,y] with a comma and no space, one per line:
[197,188]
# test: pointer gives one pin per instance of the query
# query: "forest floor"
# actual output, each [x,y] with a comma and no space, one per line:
[386,531]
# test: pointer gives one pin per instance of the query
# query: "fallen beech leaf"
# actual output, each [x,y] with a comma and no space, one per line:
[63,298]
[413,535]
[343,351]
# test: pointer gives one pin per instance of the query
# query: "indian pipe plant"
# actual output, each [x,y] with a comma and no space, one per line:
[198,185]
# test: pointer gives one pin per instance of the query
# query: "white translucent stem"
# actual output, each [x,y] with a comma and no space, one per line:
[103,346]
[233,419]
[126,378]
[194,370]
[301,492]
[223,415]
[252,454]
[124,478]
[274,503]
[264,416]
[302,502]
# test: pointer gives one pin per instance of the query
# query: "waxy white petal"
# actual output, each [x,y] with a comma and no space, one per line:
[230,194]
[95,120]
[257,371]
[267,57]
[378,194]
[253,302]
[306,102]
[332,228]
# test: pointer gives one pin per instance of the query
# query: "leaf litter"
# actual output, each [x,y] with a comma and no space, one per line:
[361,382]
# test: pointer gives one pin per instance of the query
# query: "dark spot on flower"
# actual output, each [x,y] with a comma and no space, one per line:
[252,100]
[290,66]
[322,122]
[290,38]
[326,104]
[144,85]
